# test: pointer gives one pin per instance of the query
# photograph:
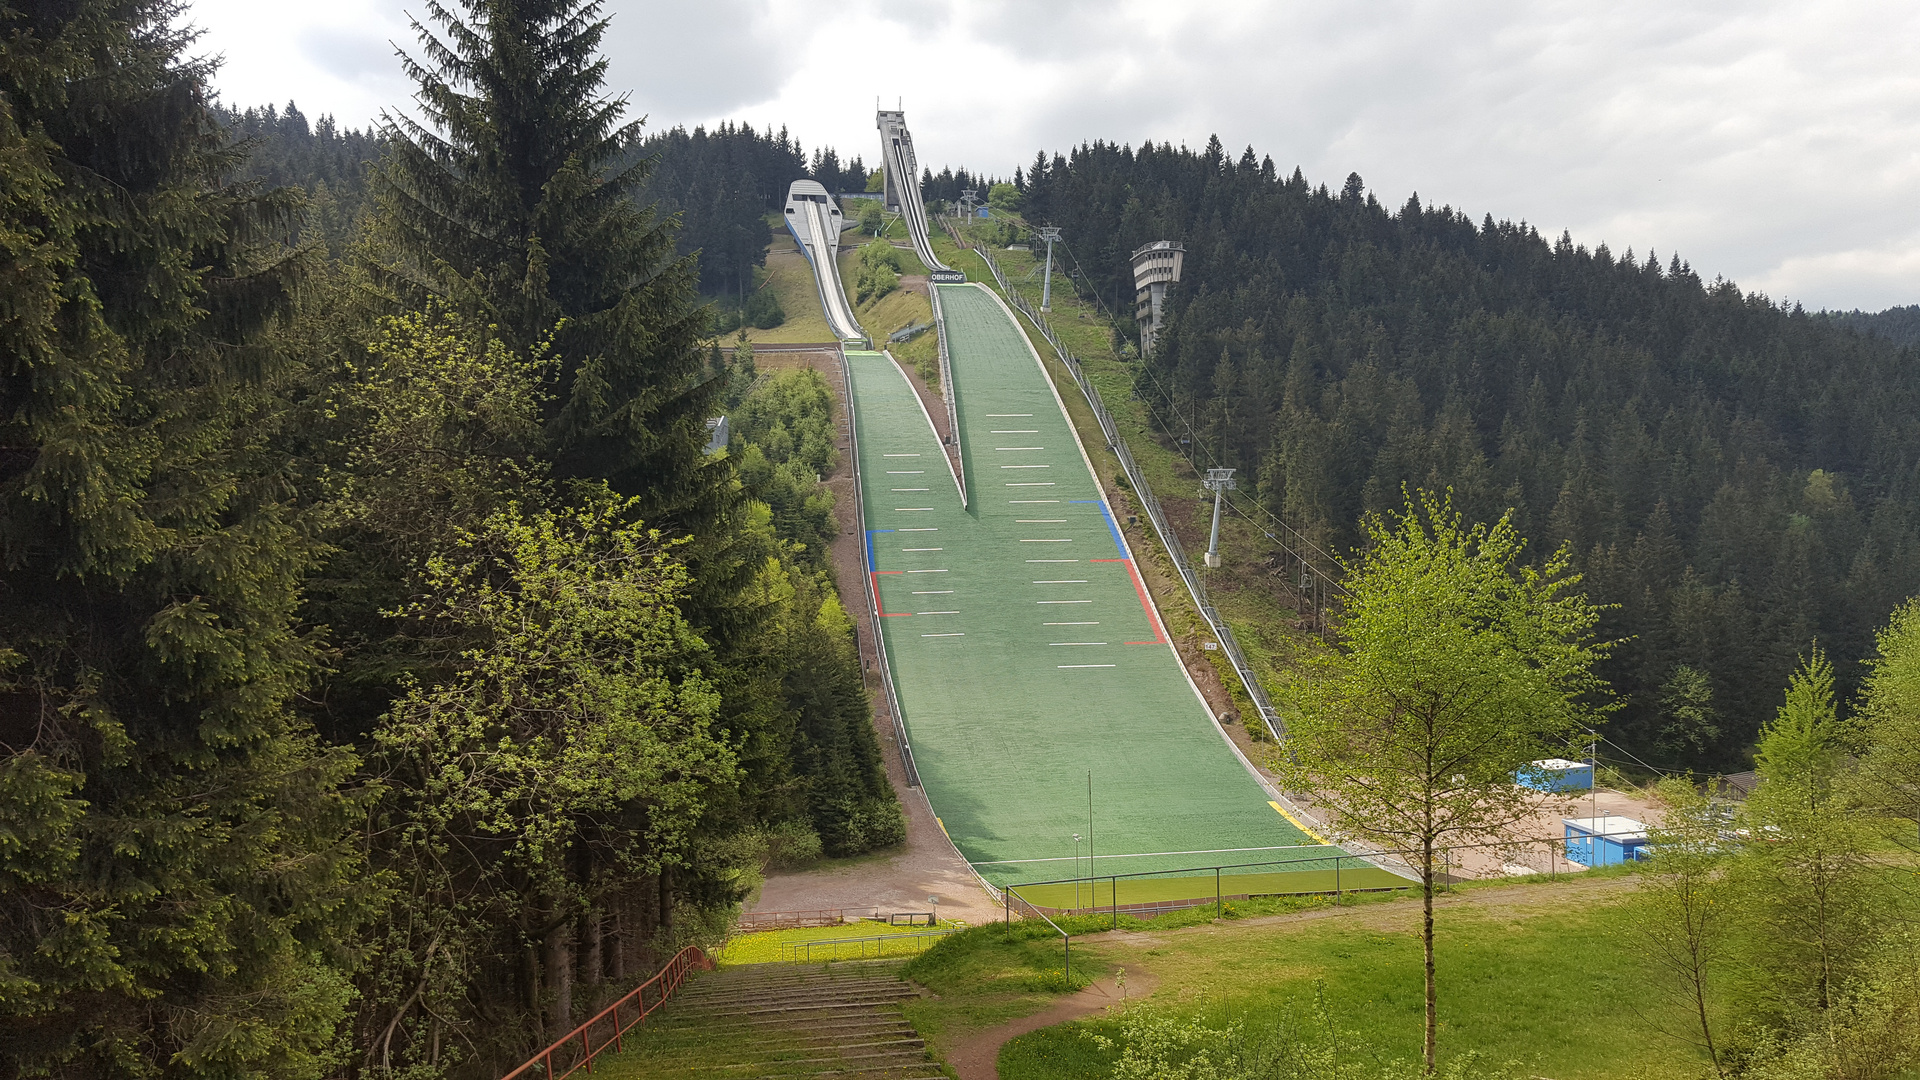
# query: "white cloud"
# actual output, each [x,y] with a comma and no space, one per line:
[334,58]
[1773,142]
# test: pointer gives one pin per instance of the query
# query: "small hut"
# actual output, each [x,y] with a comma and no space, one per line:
[1556,774]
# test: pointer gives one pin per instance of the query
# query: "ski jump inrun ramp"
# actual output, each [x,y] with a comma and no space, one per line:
[902,191]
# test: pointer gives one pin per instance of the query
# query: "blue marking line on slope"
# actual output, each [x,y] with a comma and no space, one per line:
[870,563]
[1113,530]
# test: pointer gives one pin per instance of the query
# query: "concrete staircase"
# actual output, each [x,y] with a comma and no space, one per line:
[782,1021]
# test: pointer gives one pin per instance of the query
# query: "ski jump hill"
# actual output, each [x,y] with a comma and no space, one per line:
[1053,728]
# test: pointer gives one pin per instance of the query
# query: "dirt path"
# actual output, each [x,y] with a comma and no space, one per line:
[978,1055]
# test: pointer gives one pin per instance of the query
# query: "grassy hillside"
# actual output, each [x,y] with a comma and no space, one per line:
[790,277]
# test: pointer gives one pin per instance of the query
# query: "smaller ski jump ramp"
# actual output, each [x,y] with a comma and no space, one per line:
[814,220]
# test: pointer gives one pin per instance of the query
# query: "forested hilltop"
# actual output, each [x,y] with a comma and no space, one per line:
[1900,325]
[721,183]
[389,675]
[1739,478]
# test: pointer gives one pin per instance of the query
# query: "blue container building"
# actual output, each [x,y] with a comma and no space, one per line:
[1556,774]
[1605,841]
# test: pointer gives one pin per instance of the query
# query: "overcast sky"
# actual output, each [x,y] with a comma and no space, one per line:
[1776,143]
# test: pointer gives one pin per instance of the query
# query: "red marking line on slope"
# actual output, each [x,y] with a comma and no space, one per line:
[878,607]
[1140,587]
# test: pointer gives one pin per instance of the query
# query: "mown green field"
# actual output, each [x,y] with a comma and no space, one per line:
[1546,976]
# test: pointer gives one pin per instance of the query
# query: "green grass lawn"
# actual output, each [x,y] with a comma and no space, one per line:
[1556,987]
[896,310]
[985,976]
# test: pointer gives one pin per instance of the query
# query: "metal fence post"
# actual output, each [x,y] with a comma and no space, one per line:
[1218,909]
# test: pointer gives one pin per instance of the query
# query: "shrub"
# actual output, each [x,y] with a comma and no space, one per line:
[791,845]
[763,310]
[878,273]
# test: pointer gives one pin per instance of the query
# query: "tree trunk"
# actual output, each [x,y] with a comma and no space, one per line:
[559,972]
[666,904]
[1426,940]
[593,962]
[622,915]
[531,986]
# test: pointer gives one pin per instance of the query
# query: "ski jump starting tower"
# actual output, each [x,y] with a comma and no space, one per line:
[902,191]
[1155,266]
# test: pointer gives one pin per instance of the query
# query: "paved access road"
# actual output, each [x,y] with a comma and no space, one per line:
[1024,649]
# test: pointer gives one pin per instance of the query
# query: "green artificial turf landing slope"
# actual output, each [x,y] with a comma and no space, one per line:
[1021,645]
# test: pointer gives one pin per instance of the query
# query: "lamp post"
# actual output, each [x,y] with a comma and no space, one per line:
[1218,481]
[1049,234]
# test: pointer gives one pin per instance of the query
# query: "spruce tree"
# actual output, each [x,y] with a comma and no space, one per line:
[174,872]
[514,200]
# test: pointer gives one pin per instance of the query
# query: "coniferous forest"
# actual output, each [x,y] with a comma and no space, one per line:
[386,669]
[1740,480]
[389,675]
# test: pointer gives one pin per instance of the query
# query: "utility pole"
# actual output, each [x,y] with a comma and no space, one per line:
[969,198]
[1049,234]
[1076,870]
[1089,839]
[1218,481]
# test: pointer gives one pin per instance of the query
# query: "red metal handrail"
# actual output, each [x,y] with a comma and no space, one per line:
[664,984]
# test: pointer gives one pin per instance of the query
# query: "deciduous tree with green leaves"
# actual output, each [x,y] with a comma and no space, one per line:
[1888,780]
[1454,666]
[1684,914]
[1806,881]
[566,751]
